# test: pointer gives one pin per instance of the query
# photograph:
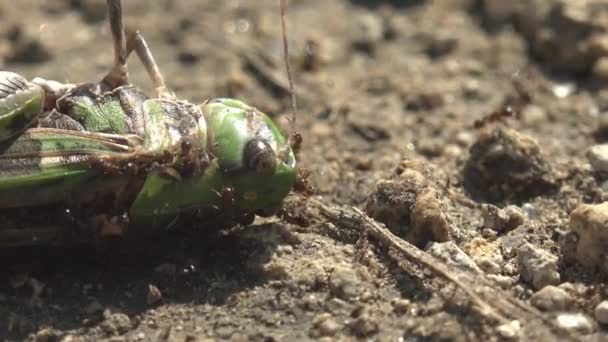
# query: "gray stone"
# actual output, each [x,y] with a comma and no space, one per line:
[598,157]
[601,312]
[575,323]
[551,298]
[590,223]
[538,267]
[509,331]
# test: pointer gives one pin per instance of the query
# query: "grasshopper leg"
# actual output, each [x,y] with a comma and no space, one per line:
[118,75]
[123,46]
[135,41]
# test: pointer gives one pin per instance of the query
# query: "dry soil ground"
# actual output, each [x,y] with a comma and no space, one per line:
[377,81]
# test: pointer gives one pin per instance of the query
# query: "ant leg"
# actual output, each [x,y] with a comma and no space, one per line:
[118,74]
[136,41]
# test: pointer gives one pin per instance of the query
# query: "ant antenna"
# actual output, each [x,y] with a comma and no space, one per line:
[292,122]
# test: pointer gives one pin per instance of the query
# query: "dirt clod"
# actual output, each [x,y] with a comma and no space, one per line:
[501,220]
[507,165]
[410,205]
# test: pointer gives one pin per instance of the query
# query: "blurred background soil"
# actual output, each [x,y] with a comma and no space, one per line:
[377,82]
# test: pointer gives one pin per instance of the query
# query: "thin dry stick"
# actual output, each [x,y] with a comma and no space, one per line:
[358,219]
[495,299]
[288,66]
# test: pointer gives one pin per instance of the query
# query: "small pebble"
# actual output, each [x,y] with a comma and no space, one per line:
[601,312]
[551,298]
[563,90]
[509,331]
[401,305]
[598,157]
[488,265]
[464,138]
[488,233]
[575,322]
[590,223]
[501,220]
[509,269]
[538,267]
[284,250]
[326,325]
[532,115]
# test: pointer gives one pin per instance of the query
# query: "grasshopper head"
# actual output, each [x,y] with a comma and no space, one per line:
[253,155]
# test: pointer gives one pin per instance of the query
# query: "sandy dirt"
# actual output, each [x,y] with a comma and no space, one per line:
[377,82]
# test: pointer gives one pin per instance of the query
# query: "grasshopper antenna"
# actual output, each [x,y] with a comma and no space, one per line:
[295,139]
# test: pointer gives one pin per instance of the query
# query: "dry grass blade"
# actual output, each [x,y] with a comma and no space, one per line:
[492,303]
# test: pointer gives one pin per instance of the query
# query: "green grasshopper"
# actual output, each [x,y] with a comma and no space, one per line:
[122,161]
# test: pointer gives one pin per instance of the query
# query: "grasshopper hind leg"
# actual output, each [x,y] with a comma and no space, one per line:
[123,46]
[118,75]
[135,41]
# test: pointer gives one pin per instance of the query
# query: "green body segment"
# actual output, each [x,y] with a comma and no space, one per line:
[230,125]
[46,166]
[96,113]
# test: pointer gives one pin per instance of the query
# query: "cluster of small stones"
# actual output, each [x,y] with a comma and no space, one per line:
[569,36]
[504,167]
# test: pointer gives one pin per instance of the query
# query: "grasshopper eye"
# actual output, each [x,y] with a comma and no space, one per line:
[260,157]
